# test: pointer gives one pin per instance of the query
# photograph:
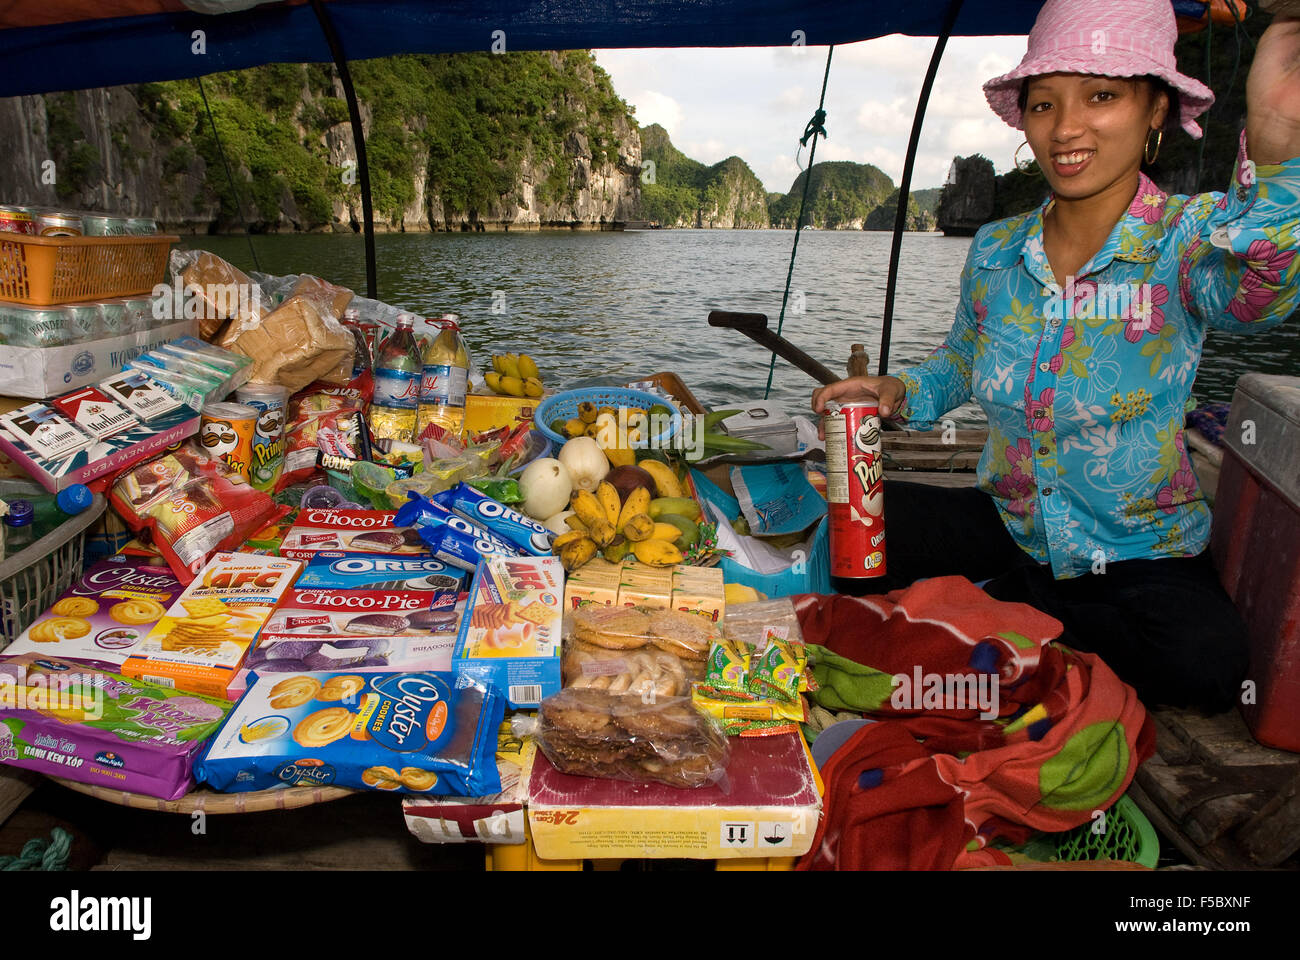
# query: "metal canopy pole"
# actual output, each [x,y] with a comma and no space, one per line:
[905,186]
[358,138]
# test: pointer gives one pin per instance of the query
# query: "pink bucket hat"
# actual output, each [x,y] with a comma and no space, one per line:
[1114,38]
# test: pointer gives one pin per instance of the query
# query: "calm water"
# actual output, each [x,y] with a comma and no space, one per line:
[630,304]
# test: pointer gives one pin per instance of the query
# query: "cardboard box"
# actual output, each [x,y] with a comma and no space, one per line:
[39,372]
[495,819]
[483,412]
[201,642]
[510,633]
[587,593]
[771,810]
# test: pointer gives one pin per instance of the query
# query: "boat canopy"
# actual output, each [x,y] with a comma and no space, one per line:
[73,44]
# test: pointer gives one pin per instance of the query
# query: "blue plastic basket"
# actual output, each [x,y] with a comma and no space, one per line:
[564,406]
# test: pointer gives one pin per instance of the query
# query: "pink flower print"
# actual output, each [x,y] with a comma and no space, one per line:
[1038,413]
[1149,204]
[1223,202]
[981,313]
[1067,338]
[1185,271]
[1144,313]
[1021,459]
[1016,488]
[1251,298]
[1178,491]
[1267,260]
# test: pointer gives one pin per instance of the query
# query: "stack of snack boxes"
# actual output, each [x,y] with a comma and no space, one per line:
[627,584]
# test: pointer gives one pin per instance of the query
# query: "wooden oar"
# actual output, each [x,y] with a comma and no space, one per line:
[754,326]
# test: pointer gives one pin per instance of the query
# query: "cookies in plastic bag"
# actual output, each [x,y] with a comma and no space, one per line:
[596,733]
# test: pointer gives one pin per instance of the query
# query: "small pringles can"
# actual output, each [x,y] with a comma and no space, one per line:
[268,436]
[226,434]
[56,224]
[16,219]
[855,491]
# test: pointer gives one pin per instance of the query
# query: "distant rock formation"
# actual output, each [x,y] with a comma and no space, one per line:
[968,198]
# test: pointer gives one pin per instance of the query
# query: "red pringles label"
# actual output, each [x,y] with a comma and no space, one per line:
[855,491]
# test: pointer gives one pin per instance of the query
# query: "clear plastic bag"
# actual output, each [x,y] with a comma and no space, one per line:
[666,740]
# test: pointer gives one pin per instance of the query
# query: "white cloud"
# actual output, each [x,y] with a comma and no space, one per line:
[655,107]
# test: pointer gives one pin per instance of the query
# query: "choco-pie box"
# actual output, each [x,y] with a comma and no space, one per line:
[510,633]
[768,807]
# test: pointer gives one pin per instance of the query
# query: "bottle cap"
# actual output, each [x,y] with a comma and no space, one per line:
[74,499]
[20,513]
[405,320]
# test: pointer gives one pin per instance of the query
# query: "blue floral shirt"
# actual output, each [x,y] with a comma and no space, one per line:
[1085,386]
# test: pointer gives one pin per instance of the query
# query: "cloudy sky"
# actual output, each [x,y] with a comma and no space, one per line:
[754,103]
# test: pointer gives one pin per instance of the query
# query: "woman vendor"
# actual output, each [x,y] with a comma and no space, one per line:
[1079,332]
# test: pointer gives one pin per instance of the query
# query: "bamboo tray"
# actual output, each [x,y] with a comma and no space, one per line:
[210,801]
[43,271]
[673,384]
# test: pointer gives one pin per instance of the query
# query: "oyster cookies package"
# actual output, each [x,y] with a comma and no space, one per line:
[70,720]
[510,633]
[201,642]
[101,619]
[421,733]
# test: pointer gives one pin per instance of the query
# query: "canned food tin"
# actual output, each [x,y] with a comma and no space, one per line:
[99,225]
[226,433]
[59,225]
[141,226]
[85,320]
[268,437]
[113,318]
[855,491]
[35,326]
[139,314]
[16,219]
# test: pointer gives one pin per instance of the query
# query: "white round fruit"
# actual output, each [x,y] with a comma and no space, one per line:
[545,485]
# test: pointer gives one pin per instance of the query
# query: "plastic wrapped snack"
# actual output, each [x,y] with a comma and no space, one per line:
[423,733]
[685,635]
[595,733]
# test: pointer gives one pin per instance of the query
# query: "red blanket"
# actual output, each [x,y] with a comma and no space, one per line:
[933,783]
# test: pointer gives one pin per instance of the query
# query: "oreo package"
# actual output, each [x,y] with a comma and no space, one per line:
[451,537]
[334,570]
[504,523]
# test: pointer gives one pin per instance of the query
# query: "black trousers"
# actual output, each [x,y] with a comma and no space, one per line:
[1166,625]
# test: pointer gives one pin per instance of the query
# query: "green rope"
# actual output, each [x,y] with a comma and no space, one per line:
[816,126]
[38,854]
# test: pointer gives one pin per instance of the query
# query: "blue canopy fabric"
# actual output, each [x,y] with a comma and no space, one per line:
[67,50]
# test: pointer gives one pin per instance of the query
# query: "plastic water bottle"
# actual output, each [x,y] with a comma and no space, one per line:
[445,379]
[397,384]
[19,531]
[50,512]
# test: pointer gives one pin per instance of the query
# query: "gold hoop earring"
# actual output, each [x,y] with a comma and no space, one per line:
[1147,155]
[1029,168]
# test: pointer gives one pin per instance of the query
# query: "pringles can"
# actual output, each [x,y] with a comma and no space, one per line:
[855,491]
[269,400]
[226,434]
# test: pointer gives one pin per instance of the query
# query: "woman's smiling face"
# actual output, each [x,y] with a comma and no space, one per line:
[1088,132]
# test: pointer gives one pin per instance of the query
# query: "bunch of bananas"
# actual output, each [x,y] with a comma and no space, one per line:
[514,375]
[617,430]
[655,531]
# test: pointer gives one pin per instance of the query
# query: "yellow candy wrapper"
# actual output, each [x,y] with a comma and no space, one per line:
[726,672]
[777,672]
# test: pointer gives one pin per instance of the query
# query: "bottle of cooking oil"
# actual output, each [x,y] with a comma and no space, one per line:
[445,378]
[397,384]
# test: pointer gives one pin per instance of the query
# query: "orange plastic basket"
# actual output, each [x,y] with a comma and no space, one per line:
[42,271]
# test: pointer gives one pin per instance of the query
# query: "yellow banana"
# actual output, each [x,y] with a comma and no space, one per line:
[609,500]
[577,553]
[664,478]
[510,365]
[620,456]
[587,412]
[638,527]
[603,532]
[564,539]
[528,367]
[533,387]
[499,363]
[657,553]
[665,531]
[638,501]
[575,524]
[588,509]
[512,385]
[575,428]
[617,550]
[493,380]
